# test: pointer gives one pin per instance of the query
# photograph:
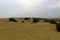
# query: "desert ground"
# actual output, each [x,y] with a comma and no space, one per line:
[27,30]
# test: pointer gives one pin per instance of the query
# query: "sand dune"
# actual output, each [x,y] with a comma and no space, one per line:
[26,31]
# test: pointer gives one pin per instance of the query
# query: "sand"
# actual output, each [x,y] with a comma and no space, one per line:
[27,31]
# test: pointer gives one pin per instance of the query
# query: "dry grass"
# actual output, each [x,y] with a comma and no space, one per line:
[27,31]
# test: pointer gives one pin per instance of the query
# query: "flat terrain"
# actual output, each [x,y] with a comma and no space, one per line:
[28,31]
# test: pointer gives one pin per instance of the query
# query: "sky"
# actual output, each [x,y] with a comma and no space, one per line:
[30,8]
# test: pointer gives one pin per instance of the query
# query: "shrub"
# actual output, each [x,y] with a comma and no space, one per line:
[12,19]
[58,20]
[26,18]
[52,21]
[23,22]
[35,20]
[46,20]
[58,27]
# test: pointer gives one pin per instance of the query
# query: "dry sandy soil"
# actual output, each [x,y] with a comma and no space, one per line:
[28,31]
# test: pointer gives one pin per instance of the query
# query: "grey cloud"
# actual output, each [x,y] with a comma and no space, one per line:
[13,8]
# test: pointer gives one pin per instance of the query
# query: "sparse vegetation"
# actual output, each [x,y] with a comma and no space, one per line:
[26,18]
[35,20]
[52,21]
[46,20]
[22,21]
[27,31]
[58,27]
[12,19]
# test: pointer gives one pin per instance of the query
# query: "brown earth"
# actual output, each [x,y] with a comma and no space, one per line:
[28,31]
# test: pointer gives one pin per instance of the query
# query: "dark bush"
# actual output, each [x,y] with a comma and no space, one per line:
[23,22]
[40,18]
[12,19]
[26,18]
[58,20]
[58,27]
[46,20]
[35,20]
[52,21]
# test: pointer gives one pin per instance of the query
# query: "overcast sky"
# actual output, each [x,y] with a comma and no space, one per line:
[29,8]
